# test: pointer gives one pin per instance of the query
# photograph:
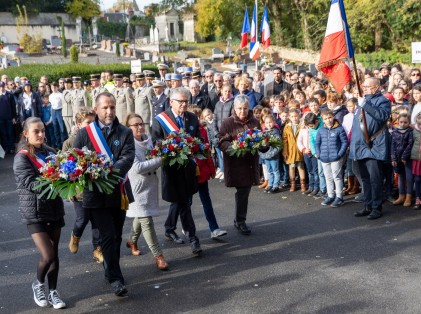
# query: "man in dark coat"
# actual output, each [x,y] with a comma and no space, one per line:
[197,97]
[215,94]
[179,184]
[107,209]
[370,156]
[239,172]
[276,85]
[8,118]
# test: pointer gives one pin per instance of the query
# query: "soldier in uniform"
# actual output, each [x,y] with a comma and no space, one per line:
[186,79]
[149,76]
[175,80]
[127,83]
[123,97]
[79,96]
[96,86]
[143,101]
[160,101]
[168,85]
[67,104]
[163,70]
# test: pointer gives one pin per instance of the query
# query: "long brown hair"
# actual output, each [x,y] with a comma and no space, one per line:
[23,143]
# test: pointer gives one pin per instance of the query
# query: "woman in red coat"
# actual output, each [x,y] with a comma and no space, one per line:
[206,172]
[239,172]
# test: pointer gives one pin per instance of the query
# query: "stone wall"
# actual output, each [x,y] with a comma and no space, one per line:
[44,24]
[297,55]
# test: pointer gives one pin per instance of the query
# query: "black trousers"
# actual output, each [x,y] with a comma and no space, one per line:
[182,209]
[372,178]
[110,223]
[241,203]
[83,216]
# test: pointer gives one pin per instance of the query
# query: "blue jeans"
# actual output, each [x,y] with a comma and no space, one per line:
[60,131]
[273,170]
[49,133]
[322,178]
[207,205]
[7,136]
[283,169]
[405,179]
[312,170]
[220,159]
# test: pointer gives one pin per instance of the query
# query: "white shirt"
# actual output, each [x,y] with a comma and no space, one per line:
[56,100]
[27,101]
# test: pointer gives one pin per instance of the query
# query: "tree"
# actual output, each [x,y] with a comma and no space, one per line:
[86,9]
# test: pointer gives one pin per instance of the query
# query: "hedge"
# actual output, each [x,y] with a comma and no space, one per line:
[374,60]
[56,71]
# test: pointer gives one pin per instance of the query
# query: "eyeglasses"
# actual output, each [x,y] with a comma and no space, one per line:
[208,75]
[137,125]
[415,74]
[181,101]
[368,87]
[217,80]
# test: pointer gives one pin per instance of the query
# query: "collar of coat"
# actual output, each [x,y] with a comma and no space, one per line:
[113,126]
[334,126]
[249,117]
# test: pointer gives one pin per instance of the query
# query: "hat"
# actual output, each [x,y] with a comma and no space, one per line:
[76,79]
[188,69]
[126,80]
[385,66]
[180,70]
[86,83]
[17,79]
[162,66]
[187,75]
[196,74]
[2,84]
[27,83]
[95,77]
[158,83]
[149,74]
[118,76]
[67,80]
[176,77]
[140,76]
[238,71]
[168,77]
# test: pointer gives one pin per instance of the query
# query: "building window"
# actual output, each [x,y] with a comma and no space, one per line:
[172,29]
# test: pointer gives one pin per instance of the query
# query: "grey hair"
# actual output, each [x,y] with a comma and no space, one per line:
[194,82]
[227,77]
[217,75]
[210,71]
[241,100]
[179,91]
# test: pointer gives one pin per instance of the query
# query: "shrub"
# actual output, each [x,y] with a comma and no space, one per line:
[57,71]
[117,49]
[373,60]
[74,54]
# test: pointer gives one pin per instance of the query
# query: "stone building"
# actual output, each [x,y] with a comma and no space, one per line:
[167,24]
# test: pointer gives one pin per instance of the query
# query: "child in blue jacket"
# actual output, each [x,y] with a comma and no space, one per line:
[331,145]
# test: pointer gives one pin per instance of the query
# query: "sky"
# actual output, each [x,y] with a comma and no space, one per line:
[106,4]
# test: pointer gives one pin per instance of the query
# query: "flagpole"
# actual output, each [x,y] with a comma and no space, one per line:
[257,33]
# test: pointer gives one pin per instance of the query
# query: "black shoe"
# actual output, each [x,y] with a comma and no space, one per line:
[363,212]
[119,289]
[274,190]
[308,191]
[375,214]
[195,247]
[172,236]
[243,228]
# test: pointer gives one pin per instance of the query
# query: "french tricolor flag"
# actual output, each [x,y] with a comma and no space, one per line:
[337,47]
[245,30]
[265,28]
[254,42]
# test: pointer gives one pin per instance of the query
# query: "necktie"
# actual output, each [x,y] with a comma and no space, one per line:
[180,122]
[105,131]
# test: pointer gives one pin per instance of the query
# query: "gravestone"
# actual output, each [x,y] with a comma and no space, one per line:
[147,56]
[182,54]
[103,44]
[176,65]
[108,45]
[155,59]
[55,41]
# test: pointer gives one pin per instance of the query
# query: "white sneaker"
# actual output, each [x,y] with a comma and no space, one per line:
[218,175]
[221,177]
[218,171]
[218,233]
[39,293]
[55,300]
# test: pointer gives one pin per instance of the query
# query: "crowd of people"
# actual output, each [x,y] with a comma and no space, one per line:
[332,143]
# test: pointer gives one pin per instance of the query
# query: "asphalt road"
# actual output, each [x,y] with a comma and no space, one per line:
[300,258]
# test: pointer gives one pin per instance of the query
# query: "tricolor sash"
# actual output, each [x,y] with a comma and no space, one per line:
[101,146]
[167,123]
[39,160]
[98,140]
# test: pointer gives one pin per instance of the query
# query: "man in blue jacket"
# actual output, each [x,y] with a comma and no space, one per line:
[370,156]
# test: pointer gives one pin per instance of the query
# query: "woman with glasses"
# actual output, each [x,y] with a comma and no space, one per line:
[144,183]
[415,77]
[394,81]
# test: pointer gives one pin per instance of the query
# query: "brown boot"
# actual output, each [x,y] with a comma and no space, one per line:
[303,185]
[133,247]
[355,188]
[263,185]
[351,180]
[98,257]
[399,200]
[293,188]
[74,244]
[408,200]
[161,263]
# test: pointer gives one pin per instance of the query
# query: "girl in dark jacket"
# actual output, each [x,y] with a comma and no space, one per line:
[402,141]
[44,218]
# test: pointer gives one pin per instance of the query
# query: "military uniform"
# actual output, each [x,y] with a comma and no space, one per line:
[67,111]
[123,99]
[97,90]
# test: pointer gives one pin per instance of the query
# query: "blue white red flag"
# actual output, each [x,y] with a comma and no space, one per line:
[245,30]
[254,42]
[337,47]
[265,28]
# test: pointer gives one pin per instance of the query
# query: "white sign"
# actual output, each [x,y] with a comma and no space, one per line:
[136,66]
[416,52]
